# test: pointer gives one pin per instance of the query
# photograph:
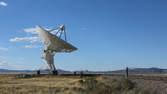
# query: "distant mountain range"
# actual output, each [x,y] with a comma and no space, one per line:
[140,71]
[29,71]
[134,70]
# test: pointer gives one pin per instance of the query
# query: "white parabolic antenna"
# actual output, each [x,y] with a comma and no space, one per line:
[53,44]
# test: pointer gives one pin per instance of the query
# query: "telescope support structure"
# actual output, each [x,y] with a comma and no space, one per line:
[48,56]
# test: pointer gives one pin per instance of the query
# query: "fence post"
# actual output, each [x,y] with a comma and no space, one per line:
[81,74]
[38,72]
[127,72]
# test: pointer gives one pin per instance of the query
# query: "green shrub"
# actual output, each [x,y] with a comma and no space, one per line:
[89,83]
[123,86]
[127,84]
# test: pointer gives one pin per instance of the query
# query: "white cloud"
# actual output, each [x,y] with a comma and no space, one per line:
[34,31]
[31,39]
[32,46]
[3,4]
[3,49]
[31,30]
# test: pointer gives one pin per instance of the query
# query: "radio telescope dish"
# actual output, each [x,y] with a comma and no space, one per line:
[53,44]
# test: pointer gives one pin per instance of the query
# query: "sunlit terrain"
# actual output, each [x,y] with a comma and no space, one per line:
[104,84]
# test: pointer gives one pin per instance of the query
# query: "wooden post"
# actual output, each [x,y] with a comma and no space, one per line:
[81,74]
[38,72]
[127,72]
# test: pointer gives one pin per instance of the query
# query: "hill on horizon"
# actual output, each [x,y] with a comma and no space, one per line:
[131,70]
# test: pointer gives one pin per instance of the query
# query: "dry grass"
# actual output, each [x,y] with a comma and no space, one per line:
[38,85]
[49,84]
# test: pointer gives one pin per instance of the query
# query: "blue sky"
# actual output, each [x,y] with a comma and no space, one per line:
[109,34]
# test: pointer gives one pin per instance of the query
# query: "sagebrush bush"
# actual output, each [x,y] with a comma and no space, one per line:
[123,86]
[89,83]
[127,84]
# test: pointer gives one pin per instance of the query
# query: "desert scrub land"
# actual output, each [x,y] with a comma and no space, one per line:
[49,84]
